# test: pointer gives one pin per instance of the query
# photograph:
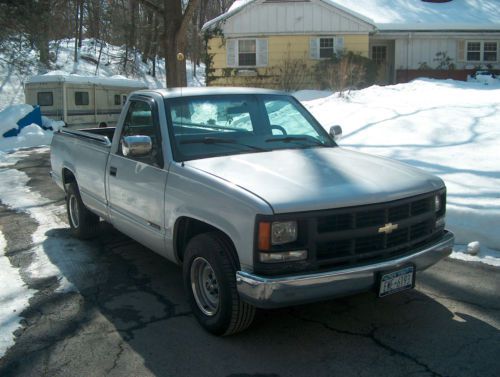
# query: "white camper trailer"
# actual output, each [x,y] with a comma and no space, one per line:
[80,101]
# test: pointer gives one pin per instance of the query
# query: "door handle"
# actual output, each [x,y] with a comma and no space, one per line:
[112,171]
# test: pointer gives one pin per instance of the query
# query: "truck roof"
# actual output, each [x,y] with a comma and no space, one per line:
[117,81]
[202,91]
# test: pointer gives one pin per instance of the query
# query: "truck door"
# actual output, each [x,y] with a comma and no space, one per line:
[136,185]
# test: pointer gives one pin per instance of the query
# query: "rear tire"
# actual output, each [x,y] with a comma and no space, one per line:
[84,224]
[209,273]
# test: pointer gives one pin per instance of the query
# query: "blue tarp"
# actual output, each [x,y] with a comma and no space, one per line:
[34,117]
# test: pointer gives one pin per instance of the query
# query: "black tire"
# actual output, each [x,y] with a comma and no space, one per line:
[232,315]
[84,224]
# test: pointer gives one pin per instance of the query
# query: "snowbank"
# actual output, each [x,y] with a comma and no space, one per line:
[449,128]
[11,115]
[29,136]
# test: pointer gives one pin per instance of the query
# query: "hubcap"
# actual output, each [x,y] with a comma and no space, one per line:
[73,211]
[205,286]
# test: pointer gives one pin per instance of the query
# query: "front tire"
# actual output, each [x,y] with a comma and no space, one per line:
[83,223]
[209,273]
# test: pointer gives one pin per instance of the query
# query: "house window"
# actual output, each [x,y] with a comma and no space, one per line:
[247,52]
[473,51]
[379,54]
[490,51]
[81,98]
[480,51]
[118,101]
[326,48]
[45,99]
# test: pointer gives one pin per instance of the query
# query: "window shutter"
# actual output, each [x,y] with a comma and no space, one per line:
[339,45]
[461,51]
[314,48]
[262,53]
[231,52]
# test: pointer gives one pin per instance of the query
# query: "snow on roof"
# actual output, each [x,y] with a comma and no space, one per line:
[409,14]
[420,15]
[59,76]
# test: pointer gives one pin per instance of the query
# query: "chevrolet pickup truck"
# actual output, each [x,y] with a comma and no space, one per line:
[256,201]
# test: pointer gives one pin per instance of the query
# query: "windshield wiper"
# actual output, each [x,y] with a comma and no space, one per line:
[219,140]
[288,139]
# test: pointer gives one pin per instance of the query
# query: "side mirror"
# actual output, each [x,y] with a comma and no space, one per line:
[136,146]
[336,132]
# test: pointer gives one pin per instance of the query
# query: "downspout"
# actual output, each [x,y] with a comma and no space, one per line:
[65,103]
[408,56]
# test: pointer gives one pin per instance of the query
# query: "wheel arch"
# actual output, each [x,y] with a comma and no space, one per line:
[67,177]
[188,227]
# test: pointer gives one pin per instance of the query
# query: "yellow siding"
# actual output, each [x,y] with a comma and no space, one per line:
[279,48]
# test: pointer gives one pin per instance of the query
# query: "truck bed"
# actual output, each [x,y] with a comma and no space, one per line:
[85,153]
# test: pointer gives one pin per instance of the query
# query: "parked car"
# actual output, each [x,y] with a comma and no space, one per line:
[256,201]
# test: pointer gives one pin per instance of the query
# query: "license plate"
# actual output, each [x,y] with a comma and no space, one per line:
[396,281]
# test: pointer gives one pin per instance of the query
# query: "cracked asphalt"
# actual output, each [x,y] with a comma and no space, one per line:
[130,317]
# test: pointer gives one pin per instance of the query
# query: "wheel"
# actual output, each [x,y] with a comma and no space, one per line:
[209,273]
[84,224]
[279,128]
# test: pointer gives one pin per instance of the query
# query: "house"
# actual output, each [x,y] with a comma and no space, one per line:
[250,43]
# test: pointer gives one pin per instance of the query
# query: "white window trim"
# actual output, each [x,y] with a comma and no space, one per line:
[338,46]
[481,51]
[261,56]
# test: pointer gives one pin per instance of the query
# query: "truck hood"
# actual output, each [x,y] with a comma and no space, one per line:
[297,180]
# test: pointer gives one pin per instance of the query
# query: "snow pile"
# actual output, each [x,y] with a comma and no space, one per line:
[29,136]
[11,115]
[449,128]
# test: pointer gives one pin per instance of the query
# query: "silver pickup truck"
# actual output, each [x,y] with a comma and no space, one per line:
[246,190]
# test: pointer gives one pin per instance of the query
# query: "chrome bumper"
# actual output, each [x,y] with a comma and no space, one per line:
[274,292]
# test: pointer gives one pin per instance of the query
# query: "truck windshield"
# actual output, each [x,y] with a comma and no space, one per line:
[218,125]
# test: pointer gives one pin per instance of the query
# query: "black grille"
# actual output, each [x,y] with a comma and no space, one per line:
[353,235]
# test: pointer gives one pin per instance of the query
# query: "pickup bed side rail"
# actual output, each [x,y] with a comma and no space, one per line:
[89,136]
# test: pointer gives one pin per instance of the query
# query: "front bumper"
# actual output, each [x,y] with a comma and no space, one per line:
[274,292]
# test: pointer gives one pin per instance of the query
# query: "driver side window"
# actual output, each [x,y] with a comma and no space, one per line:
[141,120]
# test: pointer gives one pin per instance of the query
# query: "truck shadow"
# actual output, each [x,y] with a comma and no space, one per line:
[136,297]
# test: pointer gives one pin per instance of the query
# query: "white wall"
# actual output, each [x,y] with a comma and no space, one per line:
[293,18]
[412,49]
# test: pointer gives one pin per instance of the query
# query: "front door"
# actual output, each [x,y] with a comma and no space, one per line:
[136,185]
[382,53]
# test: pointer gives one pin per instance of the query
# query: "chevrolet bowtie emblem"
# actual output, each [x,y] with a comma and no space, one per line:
[388,228]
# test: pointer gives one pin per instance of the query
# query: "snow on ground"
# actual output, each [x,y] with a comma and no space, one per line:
[449,128]
[52,257]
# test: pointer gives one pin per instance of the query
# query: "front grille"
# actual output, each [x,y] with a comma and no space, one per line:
[351,236]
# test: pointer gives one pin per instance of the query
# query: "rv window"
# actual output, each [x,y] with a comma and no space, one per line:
[124,99]
[117,100]
[45,99]
[81,98]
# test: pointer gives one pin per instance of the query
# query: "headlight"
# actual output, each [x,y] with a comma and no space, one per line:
[283,232]
[437,203]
